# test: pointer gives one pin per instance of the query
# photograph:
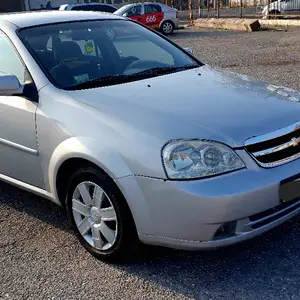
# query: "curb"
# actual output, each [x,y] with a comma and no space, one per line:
[285,23]
[243,24]
[229,24]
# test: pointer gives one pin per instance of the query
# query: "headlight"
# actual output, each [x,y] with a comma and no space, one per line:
[188,159]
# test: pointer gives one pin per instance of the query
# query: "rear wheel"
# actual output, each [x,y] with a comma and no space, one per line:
[167,27]
[100,216]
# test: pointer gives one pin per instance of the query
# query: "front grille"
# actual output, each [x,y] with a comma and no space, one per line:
[276,148]
[268,216]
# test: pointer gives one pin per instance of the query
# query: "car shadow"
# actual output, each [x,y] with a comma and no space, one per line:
[266,267]
[34,206]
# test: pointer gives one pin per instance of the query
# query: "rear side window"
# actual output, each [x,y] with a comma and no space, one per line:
[77,7]
[105,8]
[135,10]
[152,8]
[85,7]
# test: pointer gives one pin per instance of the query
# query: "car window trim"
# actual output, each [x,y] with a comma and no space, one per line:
[35,97]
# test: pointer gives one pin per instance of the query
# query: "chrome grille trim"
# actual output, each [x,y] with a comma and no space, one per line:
[284,146]
[286,150]
[279,162]
[272,135]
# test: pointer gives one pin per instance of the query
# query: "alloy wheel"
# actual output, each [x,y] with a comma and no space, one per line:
[94,215]
[167,28]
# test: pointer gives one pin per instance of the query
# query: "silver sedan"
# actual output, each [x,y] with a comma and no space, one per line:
[139,140]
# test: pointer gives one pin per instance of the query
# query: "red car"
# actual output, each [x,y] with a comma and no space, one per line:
[155,15]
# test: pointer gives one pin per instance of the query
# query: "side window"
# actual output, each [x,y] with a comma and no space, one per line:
[10,63]
[102,8]
[134,11]
[150,8]
[106,8]
[91,8]
[80,7]
[85,7]
[157,8]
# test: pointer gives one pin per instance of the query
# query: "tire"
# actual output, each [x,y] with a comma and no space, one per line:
[167,27]
[95,228]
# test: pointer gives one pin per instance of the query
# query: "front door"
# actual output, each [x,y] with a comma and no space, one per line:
[19,156]
[153,15]
[134,12]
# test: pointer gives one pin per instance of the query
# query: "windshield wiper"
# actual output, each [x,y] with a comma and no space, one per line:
[122,78]
[165,70]
[102,81]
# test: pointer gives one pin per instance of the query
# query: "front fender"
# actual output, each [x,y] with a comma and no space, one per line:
[89,149]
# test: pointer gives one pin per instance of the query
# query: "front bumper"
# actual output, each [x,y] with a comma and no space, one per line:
[191,214]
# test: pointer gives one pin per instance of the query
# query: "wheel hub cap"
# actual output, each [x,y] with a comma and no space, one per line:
[95,215]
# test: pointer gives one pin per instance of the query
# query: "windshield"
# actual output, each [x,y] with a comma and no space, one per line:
[122,9]
[99,53]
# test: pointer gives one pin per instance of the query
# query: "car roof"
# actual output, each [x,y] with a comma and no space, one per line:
[87,4]
[154,3]
[28,19]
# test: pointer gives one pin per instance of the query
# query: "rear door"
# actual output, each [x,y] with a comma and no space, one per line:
[153,15]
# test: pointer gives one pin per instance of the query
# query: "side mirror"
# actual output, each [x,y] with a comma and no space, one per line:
[189,51]
[10,85]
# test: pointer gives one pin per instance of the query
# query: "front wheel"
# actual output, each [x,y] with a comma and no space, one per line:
[167,27]
[100,216]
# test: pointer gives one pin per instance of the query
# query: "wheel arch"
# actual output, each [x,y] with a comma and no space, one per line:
[75,152]
[71,155]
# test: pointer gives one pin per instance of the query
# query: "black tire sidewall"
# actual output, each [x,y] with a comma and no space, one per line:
[122,214]
[162,26]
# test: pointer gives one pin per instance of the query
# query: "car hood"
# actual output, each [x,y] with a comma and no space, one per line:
[198,103]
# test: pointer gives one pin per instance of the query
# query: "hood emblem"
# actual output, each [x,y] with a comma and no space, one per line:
[295,142]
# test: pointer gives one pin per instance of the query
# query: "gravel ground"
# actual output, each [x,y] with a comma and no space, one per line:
[266,55]
[41,259]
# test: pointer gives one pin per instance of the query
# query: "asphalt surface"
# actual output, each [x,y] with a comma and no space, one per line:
[41,259]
